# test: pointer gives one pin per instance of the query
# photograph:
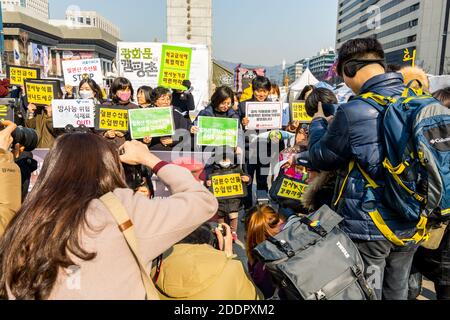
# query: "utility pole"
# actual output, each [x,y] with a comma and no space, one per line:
[444,38]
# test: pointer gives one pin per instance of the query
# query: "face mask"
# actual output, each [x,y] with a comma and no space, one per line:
[273,98]
[225,164]
[124,96]
[86,94]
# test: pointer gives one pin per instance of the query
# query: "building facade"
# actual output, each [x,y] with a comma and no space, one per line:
[39,7]
[93,19]
[322,62]
[296,70]
[413,32]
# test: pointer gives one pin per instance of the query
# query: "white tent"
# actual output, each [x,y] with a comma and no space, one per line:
[296,88]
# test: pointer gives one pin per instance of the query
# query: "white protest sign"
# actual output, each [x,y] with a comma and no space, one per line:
[75,70]
[73,112]
[141,62]
[264,115]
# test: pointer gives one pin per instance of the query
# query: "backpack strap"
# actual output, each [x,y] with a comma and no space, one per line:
[125,224]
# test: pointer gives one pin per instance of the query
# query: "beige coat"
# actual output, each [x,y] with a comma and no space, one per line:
[10,189]
[159,224]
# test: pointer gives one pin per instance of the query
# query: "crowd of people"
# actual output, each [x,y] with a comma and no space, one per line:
[63,240]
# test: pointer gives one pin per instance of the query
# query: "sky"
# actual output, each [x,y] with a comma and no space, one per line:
[256,32]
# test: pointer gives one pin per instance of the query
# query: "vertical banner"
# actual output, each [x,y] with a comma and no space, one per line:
[175,66]
[264,115]
[298,112]
[18,75]
[73,112]
[76,70]
[217,132]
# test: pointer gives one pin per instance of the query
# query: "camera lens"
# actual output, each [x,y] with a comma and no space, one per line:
[26,137]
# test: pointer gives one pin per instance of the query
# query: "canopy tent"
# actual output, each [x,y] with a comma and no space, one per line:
[296,88]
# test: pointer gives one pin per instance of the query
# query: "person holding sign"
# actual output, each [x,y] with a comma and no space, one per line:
[162,98]
[144,97]
[89,89]
[226,178]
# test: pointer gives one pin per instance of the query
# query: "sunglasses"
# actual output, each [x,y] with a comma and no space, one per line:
[352,66]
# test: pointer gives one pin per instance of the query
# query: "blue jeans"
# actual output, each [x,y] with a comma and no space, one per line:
[387,268]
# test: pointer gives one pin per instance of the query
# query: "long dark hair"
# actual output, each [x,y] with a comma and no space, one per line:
[95,87]
[81,167]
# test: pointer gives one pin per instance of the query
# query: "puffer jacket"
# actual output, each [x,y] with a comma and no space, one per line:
[200,272]
[10,189]
[355,134]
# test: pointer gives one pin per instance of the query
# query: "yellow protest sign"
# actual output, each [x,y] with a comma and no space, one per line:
[175,66]
[298,111]
[40,93]
[228,186]
[111,119]
[291,189]
[18,75]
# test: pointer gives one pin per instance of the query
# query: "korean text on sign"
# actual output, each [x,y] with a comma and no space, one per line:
[18,75]
[228,186]
[299,112]
[175,66]
[139,61]
[73,112]
[291,189]
[113,119]
[264,115]
[40,93]
[217,132]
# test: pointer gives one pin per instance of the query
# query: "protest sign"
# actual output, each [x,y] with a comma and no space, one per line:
[175,66]
[111,118]
[77,70]
[73,112]
[151,122]
[6,109]
[17,75]
[264,115]
[141,63]
[228,186]
[40,92]
[286,114]
[291,189]
[298,112]
[217,132]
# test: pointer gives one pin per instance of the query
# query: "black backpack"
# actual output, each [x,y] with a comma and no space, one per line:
[312,259]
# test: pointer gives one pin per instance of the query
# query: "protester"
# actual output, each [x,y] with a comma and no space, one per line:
[435,264]
[64,233]
[355,134]
[69,94]
[122,93]
[144,96]
[261,223]
[183,100]
[220,107]
[41,120]
[89,89]
[226,162]
[257,159]
[162,98]
[10,184]
[275,94]
[202,267]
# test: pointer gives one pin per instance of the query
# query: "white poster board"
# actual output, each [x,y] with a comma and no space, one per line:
[73,112]
[75,70]
[264,115]
[140,62]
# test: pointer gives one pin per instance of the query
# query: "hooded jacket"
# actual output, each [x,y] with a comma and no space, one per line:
[200,272]
[355,134]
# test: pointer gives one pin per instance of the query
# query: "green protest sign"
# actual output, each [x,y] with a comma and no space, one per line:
[175,66]
[217,132]
[151,122]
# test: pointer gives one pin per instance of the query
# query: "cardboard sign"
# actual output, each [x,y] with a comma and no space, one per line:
[73,112]
[175,66]
[17,75]
[41,93]
[298,112]
[77,70]
[151,122]
[264,115]
[217,132]
[291,189]
[6,111]
[228,186]
[111,118]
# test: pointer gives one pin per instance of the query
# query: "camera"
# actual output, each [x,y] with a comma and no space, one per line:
[26,137]
[324,96]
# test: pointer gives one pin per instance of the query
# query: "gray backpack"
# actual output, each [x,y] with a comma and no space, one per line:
[312,259]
